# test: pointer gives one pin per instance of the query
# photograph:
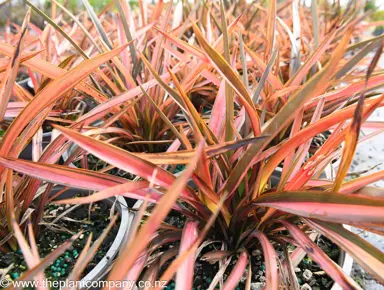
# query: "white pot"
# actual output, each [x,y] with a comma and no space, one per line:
[126,218]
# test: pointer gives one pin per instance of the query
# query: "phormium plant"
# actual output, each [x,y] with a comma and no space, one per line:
[236,92]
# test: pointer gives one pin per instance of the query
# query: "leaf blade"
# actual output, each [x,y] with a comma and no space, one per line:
[366,255]
[320,257]
[326,206]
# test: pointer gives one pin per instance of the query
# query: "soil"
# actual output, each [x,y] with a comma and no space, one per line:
[364,279]
[89,219]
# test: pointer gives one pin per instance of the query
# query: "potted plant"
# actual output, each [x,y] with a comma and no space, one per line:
[27,201]
[240,222]
[239,225]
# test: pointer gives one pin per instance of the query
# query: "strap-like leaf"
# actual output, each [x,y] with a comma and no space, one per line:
[365,254]
[120,158]
[327,206]
[184,276]
[51,93]
[237,272]
[270,258]
[312,250]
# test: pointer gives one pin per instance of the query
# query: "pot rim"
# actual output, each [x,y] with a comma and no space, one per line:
[126,217]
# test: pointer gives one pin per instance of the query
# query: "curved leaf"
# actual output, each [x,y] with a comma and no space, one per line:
[131,252]
[366,255]
[51,93]
[133,189]
[184,276]
[312,250]
[237,272]
[327,206]
[74,177]
[13,67]
[270,258]
[121,158]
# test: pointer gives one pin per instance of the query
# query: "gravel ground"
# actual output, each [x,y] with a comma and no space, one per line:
[368,155]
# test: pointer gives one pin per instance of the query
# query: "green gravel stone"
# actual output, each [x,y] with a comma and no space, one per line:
[15,275]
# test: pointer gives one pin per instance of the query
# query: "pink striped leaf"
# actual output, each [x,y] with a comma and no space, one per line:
[237,273]
[327,206]
[365,254]
[270,258]
[312,250]
[120,158]
[74,177]
[184,276]
[131,252]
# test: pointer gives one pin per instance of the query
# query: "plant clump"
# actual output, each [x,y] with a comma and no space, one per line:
[237,122]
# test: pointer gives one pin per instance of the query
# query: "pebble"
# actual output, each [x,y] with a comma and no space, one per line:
[245,276]
[257,285]
[262,279]
[256,253]
[307,275]
[319,273]
[297,270]
[306,287]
